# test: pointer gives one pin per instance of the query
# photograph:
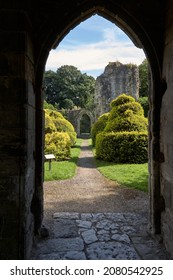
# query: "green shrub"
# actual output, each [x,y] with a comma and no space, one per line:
[63,125]
[145,104]
[99,126]
[49,124]
[121,110]
[122,147]
[130,122]
[73,138]
[55,122]
[124,138]
[122,99]
[58,143]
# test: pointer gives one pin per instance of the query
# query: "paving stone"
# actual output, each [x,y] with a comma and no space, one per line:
[61,245]
[128,229]
[89,236]
[65,228]
[84,224]
[106,224]
[99,236]
[86,216]
[103,235]
[72,255]
[121,238]
[111,251]
[66,215]
[115,217]
[98,216]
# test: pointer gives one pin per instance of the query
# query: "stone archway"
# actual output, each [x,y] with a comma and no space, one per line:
[75,116]
[142,38]
[33,29]
[82,113]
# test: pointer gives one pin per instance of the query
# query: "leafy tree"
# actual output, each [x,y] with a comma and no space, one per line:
[145,104]
[144,78]
[68,87]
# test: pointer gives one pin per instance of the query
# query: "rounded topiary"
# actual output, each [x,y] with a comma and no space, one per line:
[126,115]
[122,99]
[59,124]
[122,147]
[124,138]
[99,126]
[58,143]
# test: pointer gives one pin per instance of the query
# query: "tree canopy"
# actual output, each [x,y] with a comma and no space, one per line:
[68,88]
[144,78]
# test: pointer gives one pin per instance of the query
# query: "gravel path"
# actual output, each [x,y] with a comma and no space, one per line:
[90,192]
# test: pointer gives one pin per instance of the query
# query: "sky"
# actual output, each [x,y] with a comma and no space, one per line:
[92,45]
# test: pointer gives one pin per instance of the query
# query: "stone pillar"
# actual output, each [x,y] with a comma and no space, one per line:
[17,137]
[167,135]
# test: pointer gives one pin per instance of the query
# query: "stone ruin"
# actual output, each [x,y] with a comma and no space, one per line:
[117,78]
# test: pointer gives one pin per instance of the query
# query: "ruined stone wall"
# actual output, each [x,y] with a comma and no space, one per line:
[166,140]
[117,78]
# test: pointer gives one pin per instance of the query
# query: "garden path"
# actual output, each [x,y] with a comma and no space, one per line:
[91,217]
[90,191]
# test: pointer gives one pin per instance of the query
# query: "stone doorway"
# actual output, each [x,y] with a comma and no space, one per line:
[34,29]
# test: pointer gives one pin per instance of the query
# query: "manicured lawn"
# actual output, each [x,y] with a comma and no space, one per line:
[129,175]
[62,170]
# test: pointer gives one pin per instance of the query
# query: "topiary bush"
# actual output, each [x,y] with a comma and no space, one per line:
[124,138]
[58,143]
[99,126]
[122,147]
[59,135]
[122,99]
[54,121]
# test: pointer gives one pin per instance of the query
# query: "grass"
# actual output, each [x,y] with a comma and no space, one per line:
[129,175]
[61,170]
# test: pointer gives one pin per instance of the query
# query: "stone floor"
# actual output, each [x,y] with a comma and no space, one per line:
[98,236]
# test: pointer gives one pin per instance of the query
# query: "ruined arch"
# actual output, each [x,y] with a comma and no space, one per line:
[35,27]
[79,118]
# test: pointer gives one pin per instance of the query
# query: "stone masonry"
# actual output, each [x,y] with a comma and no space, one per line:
[28,31]
[117,78]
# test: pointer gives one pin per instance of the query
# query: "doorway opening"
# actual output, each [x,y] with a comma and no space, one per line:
[108,15]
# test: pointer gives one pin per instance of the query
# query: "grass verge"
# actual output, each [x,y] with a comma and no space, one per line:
[62,170]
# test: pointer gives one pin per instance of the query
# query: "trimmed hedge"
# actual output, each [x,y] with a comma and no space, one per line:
[122,147]
[58,143]
[99,126]
[130,122]
[122,99]
[124,138]
[55,122]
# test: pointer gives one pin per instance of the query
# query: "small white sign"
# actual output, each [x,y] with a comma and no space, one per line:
[49,156]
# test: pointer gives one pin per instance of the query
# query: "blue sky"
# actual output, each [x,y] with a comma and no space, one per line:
[92,45]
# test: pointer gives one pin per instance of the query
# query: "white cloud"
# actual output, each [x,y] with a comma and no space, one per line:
[95,56]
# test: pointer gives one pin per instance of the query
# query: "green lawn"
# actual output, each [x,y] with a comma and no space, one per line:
[129,175]
[62,170]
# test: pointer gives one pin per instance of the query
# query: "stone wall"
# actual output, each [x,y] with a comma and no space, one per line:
[17,136]
[117,78]
[166,141]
